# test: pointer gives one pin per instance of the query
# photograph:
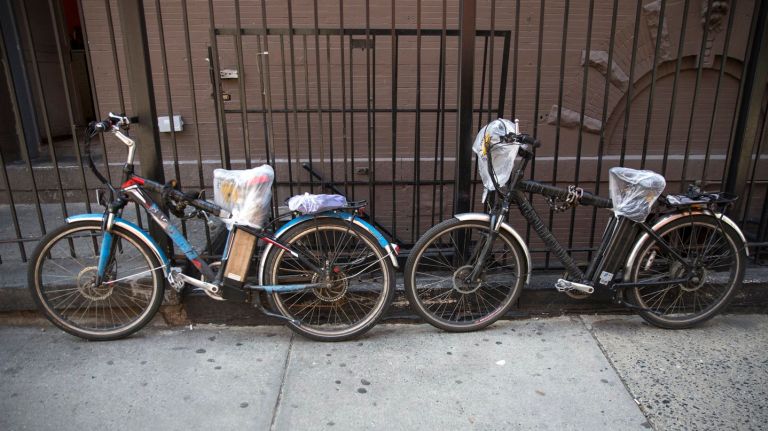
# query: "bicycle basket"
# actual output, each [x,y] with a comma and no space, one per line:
[633,192]
[503,154]
[246,194]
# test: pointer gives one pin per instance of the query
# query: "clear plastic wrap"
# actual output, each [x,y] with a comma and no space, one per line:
[503,155]
[308,203]
[246,194]
[633,192]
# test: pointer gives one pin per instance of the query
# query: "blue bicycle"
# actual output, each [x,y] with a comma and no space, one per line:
[329,274]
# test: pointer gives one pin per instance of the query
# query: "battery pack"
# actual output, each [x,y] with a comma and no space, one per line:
[239,257]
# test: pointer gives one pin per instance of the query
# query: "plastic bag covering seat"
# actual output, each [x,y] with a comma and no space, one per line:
[246,194]
[503,155]
[633,192]
[309,203]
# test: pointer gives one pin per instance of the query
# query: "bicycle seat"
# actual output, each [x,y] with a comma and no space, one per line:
[246,194]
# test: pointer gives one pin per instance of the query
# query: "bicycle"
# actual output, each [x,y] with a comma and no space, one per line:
[328,274]
[677,264]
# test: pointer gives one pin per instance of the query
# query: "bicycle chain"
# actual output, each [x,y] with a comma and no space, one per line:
[573,198]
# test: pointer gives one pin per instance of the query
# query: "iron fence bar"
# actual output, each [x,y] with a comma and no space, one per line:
[563,45]
[394,59]
[721,73]
[168,99]
[649,111]
[55,20]
[585,80]
[742,83]
[751,98]
[369,143]
[266,81]
[699,69]
[4,171]
[43,111]
[343,98]
[285,114]
[536,99]
[319,89]
[467,25]
[221,119]
[479,119]
[675,80]
[752,183]
[351,110]
[242,95]
[330,103]
[503,77]
[193,105]
[490,63]
[134,28]
[372,130]
[438,118]
[118,83]
[295,103]
[415,225]
[514,63]
[92,83]
[630,90]
[604,118]
[310,153]
[443,53]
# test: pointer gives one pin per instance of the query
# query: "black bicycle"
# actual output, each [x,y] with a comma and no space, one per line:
[676,259]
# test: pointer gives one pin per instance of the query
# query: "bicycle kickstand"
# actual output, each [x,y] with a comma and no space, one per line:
[257,303]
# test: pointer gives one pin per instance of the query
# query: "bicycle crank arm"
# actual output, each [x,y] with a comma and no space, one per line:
[566,286]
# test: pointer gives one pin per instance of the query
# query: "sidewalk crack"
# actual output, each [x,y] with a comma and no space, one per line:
[276,408]
[615,370]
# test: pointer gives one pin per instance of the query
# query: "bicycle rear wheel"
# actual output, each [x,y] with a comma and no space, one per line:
[62,272]
[362,279]
[436,271]
[718,256]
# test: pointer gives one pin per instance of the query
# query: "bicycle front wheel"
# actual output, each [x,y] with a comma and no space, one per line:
[361,277]
[717,254]
[437,271]
[62,275]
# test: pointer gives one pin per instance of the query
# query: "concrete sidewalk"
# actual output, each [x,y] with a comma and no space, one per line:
[577,372]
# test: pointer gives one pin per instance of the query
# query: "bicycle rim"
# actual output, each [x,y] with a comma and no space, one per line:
[65,270]
[360,281]
[438,277]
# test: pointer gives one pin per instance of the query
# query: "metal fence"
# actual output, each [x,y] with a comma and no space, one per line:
[381,100]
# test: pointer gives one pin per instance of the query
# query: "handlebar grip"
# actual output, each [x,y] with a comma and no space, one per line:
[529,140]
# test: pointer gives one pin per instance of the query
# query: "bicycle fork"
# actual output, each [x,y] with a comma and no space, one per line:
[496,219]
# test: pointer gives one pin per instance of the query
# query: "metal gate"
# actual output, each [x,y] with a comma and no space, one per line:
[380,100]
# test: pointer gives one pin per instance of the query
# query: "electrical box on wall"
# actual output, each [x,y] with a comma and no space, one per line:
[228,73]
[164,124]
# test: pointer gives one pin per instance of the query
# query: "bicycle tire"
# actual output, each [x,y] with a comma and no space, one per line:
[434,310]
[651,263]
[315,308]
[127,296]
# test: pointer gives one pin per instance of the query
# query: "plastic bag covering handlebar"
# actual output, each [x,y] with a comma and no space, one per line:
[246,194]
[634,192]
[308,203]
[490,139]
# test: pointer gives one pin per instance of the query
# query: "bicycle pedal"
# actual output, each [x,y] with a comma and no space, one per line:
[563,285]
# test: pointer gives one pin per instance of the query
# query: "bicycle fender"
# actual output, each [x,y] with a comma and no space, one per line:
[131,227]
[383,243]
[672,217]
[485,218]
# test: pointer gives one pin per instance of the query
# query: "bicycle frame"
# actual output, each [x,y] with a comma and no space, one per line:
[134,188]
[611,256]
